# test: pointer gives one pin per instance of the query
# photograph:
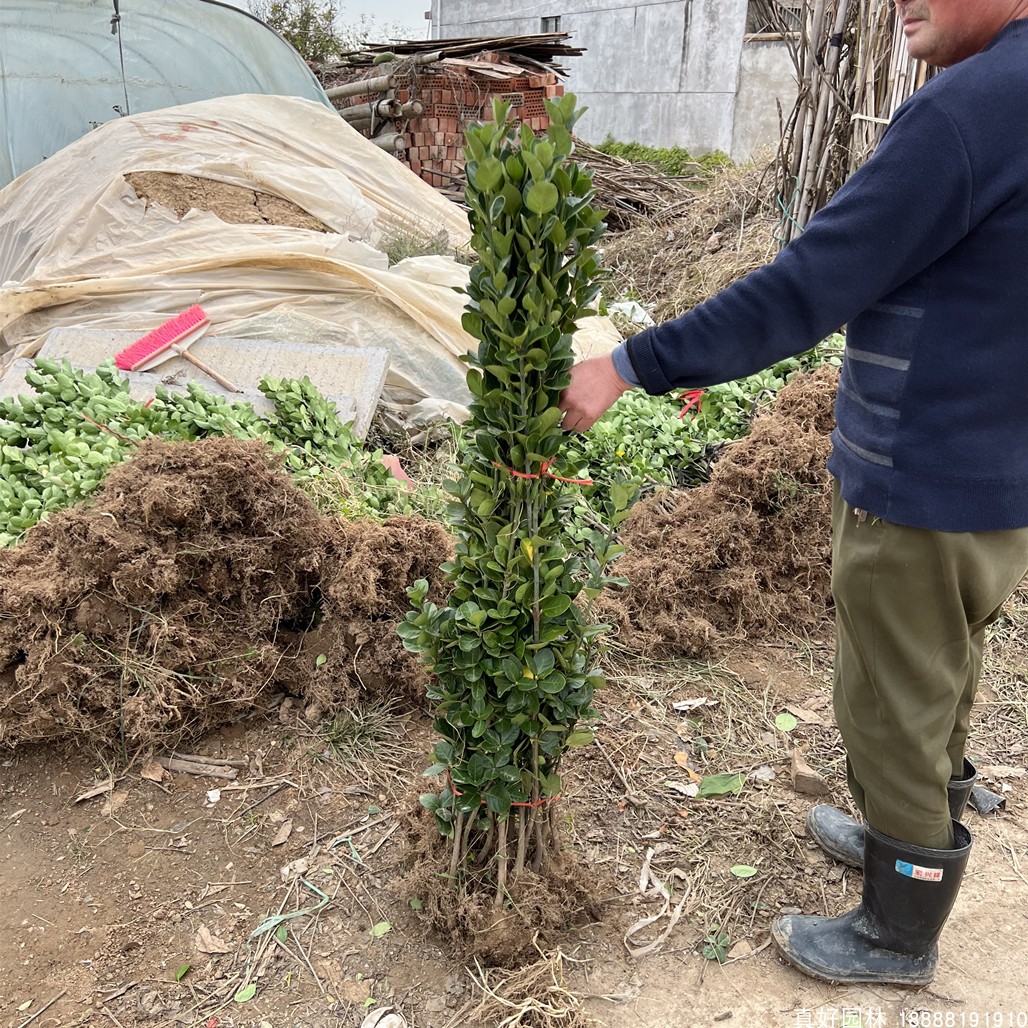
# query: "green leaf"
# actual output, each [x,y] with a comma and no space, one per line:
[515,168]
[716,948]
[580,737]
[414,903]
[542,197]
[554,606]
[321,660]
[182,972]
[721,785]
[488,175]
[785,722]
[743,871]
[282,933]
[246,993]
[377,931]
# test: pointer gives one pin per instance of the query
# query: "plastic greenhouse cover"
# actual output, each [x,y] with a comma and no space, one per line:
[61,66]
[78,247]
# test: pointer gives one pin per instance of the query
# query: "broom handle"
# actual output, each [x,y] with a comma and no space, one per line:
[210,371]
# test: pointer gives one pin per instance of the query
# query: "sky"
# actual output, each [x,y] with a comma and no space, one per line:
[409,13]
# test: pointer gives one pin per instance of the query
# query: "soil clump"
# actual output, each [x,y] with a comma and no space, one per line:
[746,555]
[199,584]
[238,205]
[540,907]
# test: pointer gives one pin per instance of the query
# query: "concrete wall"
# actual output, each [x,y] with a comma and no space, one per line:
[660,72]
[766,75]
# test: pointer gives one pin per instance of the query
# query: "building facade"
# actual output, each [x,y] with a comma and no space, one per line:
[694,73]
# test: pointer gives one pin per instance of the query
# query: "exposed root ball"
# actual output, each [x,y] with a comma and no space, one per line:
[185,593]
[363,600]
[747,554]
[540,907]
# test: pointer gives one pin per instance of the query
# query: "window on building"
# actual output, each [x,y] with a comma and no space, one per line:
[773,17]
[551,24]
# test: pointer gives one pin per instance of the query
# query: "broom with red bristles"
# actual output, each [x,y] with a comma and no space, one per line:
[171,340]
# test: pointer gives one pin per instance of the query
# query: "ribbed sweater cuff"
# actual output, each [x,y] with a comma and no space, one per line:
[648,374]
[623,365]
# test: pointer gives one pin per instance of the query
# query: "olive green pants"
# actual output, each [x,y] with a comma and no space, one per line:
[912,607]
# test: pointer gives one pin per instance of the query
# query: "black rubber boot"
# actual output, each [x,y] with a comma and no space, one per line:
[842,836]
[891,938]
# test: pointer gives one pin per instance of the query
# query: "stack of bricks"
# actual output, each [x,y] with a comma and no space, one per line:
[455,97]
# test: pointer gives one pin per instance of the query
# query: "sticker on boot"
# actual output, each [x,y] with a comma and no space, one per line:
[922,874]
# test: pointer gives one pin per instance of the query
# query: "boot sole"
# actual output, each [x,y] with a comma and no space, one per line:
[835,977]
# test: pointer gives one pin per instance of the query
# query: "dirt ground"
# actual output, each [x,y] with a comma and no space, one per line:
[269,890]
[234,204]
[108,899]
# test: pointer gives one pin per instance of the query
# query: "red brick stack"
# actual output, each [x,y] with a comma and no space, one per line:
[454,98]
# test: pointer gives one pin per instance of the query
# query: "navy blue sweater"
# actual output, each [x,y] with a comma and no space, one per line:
[923,254]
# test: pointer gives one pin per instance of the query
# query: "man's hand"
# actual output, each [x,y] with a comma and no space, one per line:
[595,386]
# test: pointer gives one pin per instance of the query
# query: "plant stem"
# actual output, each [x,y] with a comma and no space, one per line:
[486,849]
[455,854]
[501,869]
[519,863]
[535,820]
[554,828]
[469,824]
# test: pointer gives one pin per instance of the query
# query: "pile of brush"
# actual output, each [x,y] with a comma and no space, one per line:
[200,583]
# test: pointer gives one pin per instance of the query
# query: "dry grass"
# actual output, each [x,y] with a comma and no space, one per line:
[726,231]
[535,996]
[368,739]
[999,721]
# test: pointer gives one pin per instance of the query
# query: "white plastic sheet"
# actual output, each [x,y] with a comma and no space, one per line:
[79,248]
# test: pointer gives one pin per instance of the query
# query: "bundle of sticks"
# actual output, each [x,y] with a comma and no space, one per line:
[633,192]
[853,72]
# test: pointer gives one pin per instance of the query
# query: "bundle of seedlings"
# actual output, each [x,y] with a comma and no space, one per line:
[59,442]
[513,652]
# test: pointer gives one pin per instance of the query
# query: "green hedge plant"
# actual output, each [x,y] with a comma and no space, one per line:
[513,650]
[58,442]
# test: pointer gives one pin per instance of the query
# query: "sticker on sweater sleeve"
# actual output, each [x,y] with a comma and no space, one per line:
[922,874]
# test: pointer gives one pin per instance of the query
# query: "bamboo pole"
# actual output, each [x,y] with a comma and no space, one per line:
[846,96]
[815,33]
[388,111]
[821,135]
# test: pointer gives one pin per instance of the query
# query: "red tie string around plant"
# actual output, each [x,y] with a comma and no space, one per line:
[526,803]
[543,472]
[693,397]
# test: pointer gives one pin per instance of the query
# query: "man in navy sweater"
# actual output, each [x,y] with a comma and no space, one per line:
[923,254]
